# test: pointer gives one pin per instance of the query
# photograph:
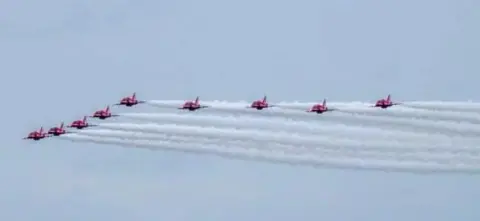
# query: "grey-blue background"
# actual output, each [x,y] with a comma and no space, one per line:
[62,59]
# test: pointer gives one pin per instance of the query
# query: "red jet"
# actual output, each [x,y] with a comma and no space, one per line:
[103,114]
[192,105]
[36,135]
[80,124]
[130,101]
[385,103]
[260,104]
[320,108]
[57,131]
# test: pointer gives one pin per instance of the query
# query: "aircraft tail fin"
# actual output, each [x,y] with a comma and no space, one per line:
[264,99]
[197,100]
[388,98]
[61,125]
[107,109]
[324,103]
[134,95]
[84,119]
[41,130]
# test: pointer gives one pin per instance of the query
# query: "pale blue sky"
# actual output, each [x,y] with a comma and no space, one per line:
[66,58]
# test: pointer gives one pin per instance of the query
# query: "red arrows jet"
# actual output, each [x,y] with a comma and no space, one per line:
[260,104]
[104,114]
[80,124]
[57,131]
[130,101]
[192,105]
[320,108]
[385,103]
[36,135]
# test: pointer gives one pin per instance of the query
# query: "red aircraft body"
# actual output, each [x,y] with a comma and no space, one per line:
[130,101]
[385,103]
[80,124]
[36,135]
[57,131]
[103,114]
[320,108]
[192,105]
[260,104]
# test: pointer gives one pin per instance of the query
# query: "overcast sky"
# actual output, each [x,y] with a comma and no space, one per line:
[62,59]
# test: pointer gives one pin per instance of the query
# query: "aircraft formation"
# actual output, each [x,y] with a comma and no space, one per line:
[194,105]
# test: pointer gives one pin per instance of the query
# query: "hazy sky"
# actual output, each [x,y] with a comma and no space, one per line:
[66,58]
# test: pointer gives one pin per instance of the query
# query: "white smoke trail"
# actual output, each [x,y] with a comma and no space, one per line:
[276,124]
[333,131]
[272,124]
[318,141]
[409,124]
[134,135]
[281,157]
[410,113]
[446,106]
[256,135]
[129,135]
[397,154]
